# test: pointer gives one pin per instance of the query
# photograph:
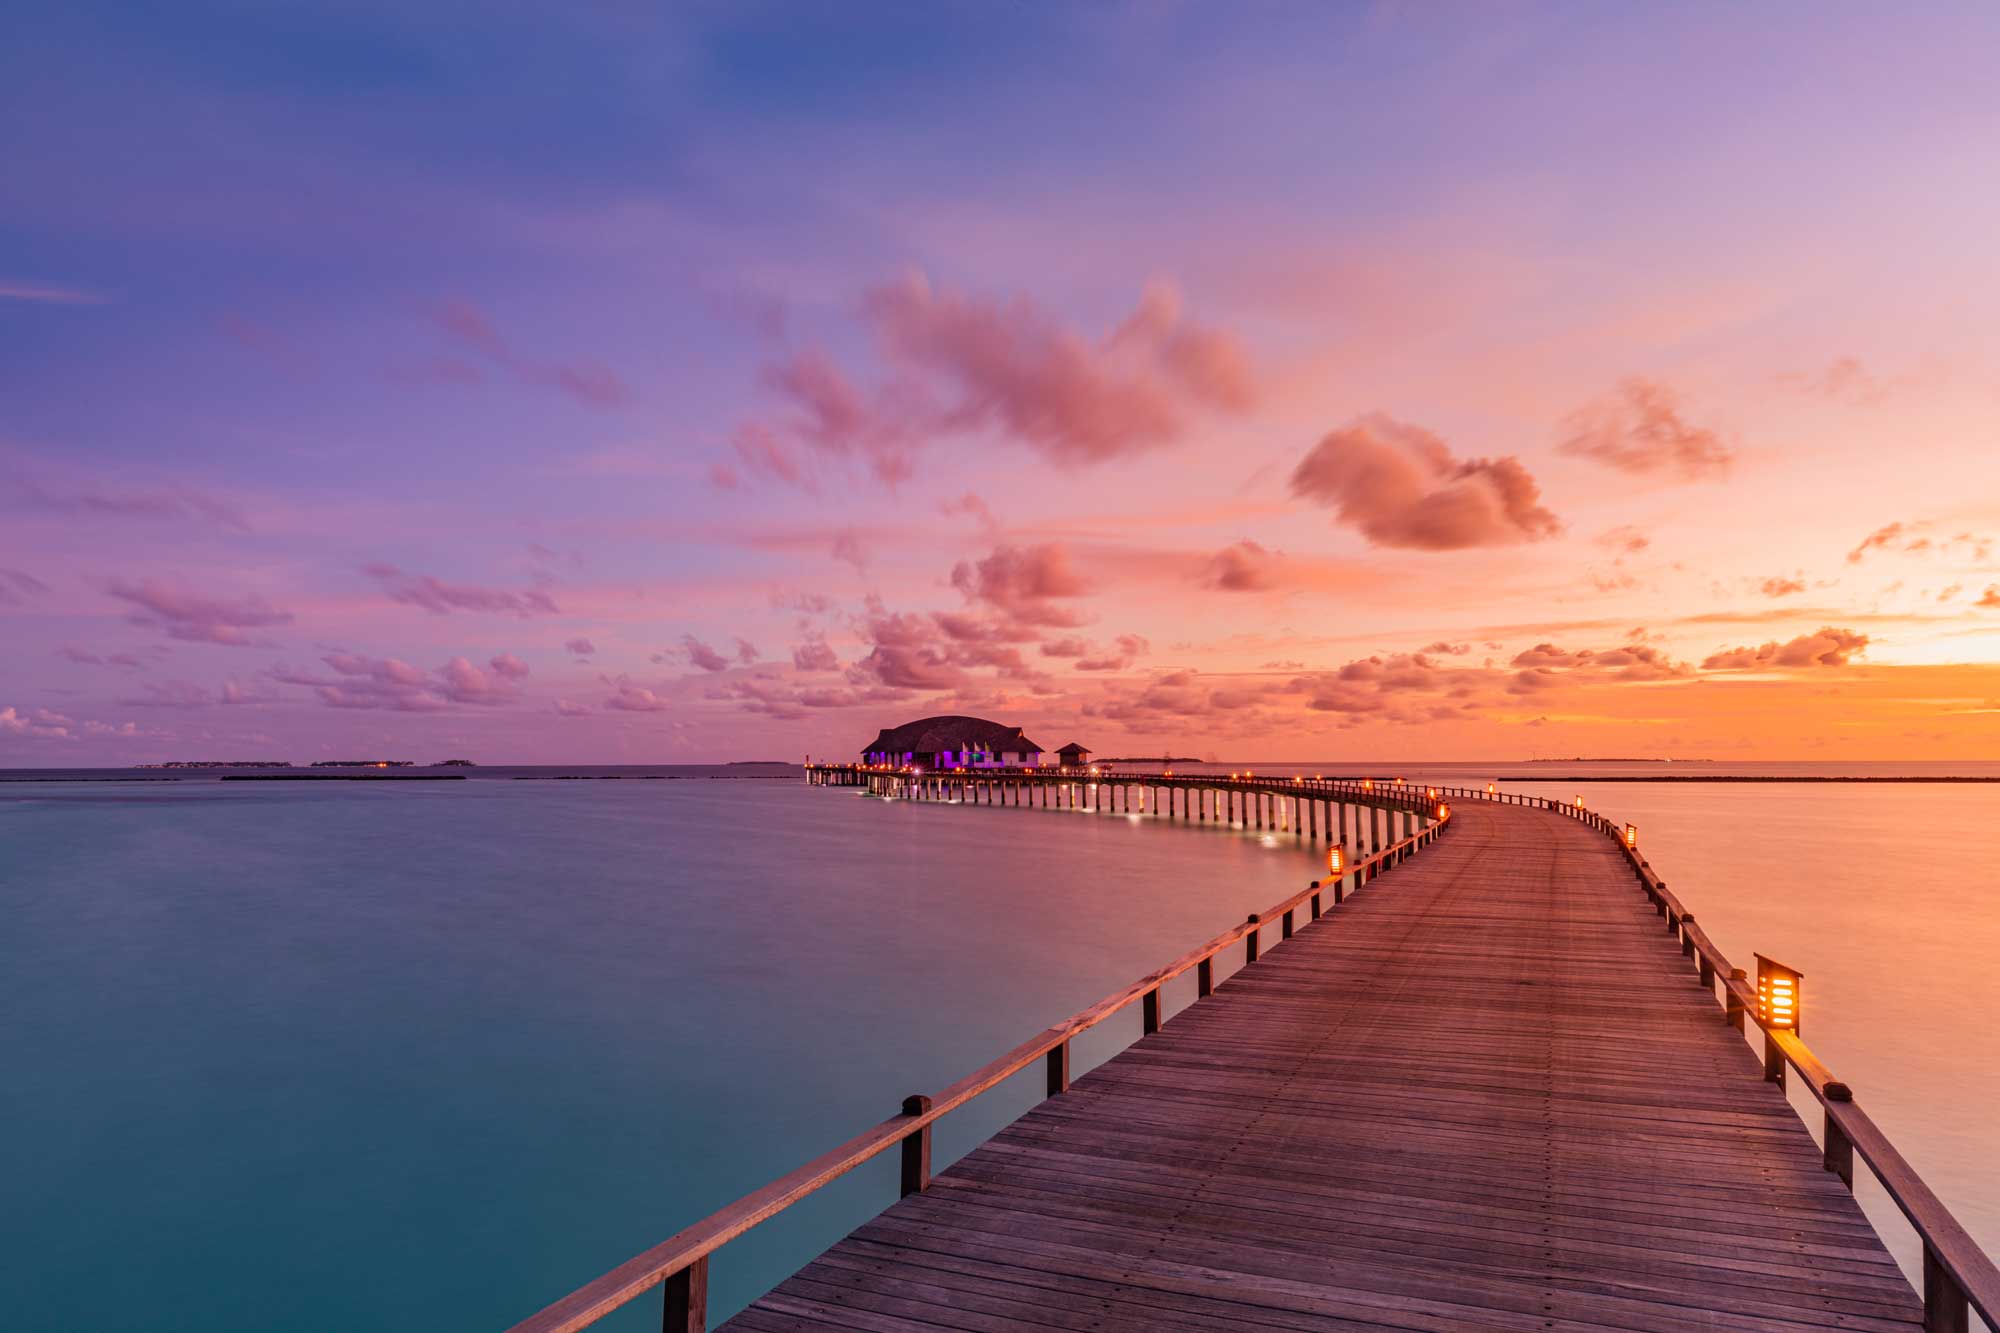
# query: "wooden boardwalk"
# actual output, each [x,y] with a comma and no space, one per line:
[1484,1093]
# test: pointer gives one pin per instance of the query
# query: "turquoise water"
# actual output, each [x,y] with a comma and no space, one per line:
[429,1055]
[423,1056]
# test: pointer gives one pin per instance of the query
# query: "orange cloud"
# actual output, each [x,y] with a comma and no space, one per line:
[1829,647]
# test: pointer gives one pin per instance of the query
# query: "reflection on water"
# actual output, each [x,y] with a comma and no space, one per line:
[342,1057]
[347,1056]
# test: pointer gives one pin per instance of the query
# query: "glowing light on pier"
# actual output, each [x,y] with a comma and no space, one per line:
[1778,989]
[1579,800]
[1336,859]
[1631,835]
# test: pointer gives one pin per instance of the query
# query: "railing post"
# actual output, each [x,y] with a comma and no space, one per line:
[687,1299]
[1315,900]
[1204,978]
[1774,1061]
[1944,1300]
[1058,1063]
[1837,1150]
[1150,1009]
[1285,930]
[916,1148]
[1732,1003]
[1250,942]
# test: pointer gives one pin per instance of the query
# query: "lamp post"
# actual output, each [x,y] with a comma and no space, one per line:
[1778,990]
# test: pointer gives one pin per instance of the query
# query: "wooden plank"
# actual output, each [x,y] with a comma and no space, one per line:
[1485,1092]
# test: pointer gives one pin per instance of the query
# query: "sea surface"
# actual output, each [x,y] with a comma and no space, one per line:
[426,1055]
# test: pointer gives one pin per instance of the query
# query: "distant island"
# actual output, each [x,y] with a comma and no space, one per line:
[1151,759]
[758,763]
[364,763]
[1579,759]
[220,763]
[457,763]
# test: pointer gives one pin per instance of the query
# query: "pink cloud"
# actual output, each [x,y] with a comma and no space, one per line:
[38,722]
[565,708]
[1130,647]
[172,694]
[1024,584]
[701,655]
[633,699]
[955,364]
[1639,429]
[16,586]
[1012,368]
[441,598]
[746,652]
[1778,586]
[815,654]
[1400,485]
[462,682]
[164,502]
[1991,597]
[194,617]
[1829,647]
[1243,567]
[588,383]
[580,647]
[365,682]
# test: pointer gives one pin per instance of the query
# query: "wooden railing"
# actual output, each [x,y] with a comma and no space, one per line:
[680,1262]
[1956,1272]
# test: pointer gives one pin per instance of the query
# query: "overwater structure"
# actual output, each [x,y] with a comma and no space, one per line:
[1491,1075]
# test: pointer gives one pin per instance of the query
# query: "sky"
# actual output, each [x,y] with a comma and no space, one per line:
[623,383]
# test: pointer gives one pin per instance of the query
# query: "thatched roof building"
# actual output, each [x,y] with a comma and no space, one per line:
[953,742]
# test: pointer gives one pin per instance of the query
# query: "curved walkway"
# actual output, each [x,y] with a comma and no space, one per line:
[1484,1093]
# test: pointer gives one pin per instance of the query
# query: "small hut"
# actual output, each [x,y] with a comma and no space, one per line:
[1073,756]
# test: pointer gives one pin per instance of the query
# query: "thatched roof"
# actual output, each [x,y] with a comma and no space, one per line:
[935,735]
[1074,749]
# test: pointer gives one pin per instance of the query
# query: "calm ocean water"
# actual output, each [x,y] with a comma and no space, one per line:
[428,1055]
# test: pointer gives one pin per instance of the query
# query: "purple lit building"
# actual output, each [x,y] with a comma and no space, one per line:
[953,742]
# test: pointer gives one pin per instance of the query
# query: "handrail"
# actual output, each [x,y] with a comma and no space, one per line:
[680,1261]
[1957,1272]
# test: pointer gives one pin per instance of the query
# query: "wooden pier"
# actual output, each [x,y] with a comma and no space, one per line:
[1491,1076]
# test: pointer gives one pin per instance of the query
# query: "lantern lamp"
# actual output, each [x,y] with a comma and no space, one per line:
[1778,989]
[1579,800]
[1444,811]
[1432,793]
[1368,784]
[1336,860]
[1631,835]
[1489,789]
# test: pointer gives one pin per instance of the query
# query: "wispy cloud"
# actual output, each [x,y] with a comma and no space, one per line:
[1639,428]
[41,293]
[442,598]
[197,617]
[585,382]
